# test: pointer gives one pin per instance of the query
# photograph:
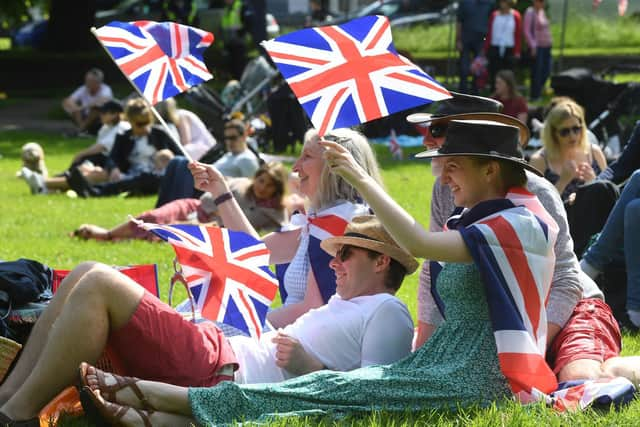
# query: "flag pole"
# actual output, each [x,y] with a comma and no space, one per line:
[151,107]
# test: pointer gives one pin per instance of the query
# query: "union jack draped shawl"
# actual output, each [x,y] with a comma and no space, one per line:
[511,274]
[162,59]
[321,225]
[349,74]
[227,273]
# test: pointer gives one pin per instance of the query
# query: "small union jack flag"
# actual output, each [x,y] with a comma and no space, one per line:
[394,147]
[349,74]
[162,59]
[227,273]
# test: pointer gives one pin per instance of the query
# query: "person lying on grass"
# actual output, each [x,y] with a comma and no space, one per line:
[459,365]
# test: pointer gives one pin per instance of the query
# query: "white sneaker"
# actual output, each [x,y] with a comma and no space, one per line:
[34,180]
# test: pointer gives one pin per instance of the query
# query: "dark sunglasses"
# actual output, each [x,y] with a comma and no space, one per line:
[231,137]
[344,253]
[141,124]
[564,132]
[438,130]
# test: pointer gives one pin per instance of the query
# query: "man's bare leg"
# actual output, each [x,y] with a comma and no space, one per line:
[623,366]
[102,300]
[582,369]
[40,332]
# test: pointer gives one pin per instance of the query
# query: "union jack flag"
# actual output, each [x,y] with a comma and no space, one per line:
[227,273]
[394,147]
[162,59]
[348,74]
[513,249]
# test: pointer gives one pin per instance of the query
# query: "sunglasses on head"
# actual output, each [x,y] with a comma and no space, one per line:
[332,138]
[564,132]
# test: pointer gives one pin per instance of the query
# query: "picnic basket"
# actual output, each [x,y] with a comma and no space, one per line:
[9,349]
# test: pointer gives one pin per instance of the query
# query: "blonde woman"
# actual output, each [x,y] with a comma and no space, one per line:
[567,158]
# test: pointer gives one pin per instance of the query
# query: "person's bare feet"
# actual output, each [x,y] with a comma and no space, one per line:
[114,388]
[90,231]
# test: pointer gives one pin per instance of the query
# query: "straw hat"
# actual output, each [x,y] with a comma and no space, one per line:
[469,107]
[367,232]
[481,138]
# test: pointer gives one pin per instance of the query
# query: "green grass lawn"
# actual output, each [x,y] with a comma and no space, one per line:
[37,227]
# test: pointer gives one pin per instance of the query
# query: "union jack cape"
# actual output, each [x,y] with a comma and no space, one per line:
[511,241]
[348,74]
[513,250]
[227,273]
[161,59]
[321,225]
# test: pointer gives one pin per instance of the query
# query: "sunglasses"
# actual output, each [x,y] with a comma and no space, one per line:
[438,130]
[337,139]
[344,253]
[564,132]
[231,137]
[141,124]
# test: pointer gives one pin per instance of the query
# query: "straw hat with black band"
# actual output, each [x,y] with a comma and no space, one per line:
[469,107]
[367,232]
[481,138]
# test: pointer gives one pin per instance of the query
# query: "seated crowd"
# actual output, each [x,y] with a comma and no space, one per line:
[342,341]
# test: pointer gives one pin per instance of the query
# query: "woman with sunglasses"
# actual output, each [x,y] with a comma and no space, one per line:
[567,158]
[571,163]
[307,282]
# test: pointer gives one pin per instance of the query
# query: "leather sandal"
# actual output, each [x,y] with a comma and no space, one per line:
[108,392]
[5,421]
[109,412]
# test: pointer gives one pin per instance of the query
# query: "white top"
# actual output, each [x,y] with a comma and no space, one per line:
[503,30]
[82,96]
[141,157]
[237,165]
[342,334]
[201,139]
[107,134]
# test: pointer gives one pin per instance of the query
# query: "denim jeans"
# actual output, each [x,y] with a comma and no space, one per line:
[620,239]
[540,70]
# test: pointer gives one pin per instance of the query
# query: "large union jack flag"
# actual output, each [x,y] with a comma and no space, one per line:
[162,59]
[349,74]
[226,271]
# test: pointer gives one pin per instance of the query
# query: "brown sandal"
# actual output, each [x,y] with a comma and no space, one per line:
[112,412]
[108,392]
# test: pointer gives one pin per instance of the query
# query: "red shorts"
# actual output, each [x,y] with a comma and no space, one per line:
[158,344]
[591,333]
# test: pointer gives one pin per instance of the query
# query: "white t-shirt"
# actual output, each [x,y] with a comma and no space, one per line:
[107,134]
[238,165]
[141,157]
[503,30]
[342,334]
[201,138]
[82,96]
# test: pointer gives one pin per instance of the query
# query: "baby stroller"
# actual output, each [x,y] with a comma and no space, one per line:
[247,96]
[604,102]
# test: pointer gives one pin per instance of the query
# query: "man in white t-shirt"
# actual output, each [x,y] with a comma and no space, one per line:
[363,324]
[83,104]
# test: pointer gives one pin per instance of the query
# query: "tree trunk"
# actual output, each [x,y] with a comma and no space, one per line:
[69,26]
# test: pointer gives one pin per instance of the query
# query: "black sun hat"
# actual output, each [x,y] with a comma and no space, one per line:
[469,107]
[111,106]
[481,138]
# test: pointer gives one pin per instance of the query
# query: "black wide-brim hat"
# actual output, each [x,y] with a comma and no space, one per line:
[481,138]
[469,107]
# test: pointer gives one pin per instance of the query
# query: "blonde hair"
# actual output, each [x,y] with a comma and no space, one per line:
[137,108]
[333,187]
[558,114]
